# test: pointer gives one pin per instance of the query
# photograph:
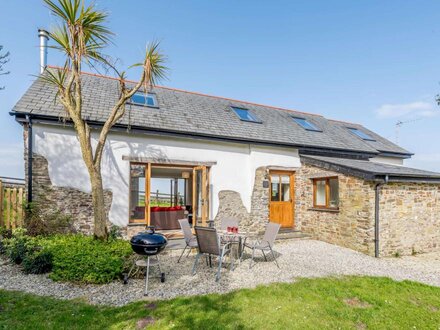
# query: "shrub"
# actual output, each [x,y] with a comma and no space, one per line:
[18,245]
[5,234]
[82,259]
[115,232]
[37,261]
[41,220]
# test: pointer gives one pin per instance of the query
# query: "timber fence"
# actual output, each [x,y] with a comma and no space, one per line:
[12,203]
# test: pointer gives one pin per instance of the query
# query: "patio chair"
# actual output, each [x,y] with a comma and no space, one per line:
[190,239]
[266,244]
[209,245]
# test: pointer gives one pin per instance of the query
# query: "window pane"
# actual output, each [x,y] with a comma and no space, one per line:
[137,192]
[361,134]
[304,123]
[275,190]
[320,193]
[334,192]
[144,99]
[244,114]
[199,194]
[285,188]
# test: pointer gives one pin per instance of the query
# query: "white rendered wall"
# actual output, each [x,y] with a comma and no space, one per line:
[235,168]
[387,160]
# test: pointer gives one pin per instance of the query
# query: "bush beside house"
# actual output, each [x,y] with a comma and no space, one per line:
[72,257]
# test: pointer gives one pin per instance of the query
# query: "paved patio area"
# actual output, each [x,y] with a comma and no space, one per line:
[297,258]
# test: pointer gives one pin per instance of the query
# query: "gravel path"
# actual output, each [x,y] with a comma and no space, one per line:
[301,258]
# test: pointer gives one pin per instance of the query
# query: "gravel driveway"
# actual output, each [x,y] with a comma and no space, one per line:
[297,258]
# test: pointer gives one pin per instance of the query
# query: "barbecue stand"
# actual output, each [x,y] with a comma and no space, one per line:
[147,244]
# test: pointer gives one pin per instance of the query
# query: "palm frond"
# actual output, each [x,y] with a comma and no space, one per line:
[82,33]
[56,77]
[153,66]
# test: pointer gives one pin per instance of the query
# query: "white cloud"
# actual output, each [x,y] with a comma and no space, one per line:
[417,109]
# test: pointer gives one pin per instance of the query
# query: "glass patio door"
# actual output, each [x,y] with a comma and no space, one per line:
[200,195]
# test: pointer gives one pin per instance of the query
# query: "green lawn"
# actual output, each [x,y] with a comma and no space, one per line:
[347,303]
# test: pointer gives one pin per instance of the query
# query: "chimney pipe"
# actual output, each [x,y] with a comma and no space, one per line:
[44,37]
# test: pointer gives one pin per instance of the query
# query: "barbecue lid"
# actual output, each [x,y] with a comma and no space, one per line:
[149,238]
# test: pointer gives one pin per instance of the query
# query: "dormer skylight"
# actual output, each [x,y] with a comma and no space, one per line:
[246,115]
[145,99]
[304,123]
[361,134]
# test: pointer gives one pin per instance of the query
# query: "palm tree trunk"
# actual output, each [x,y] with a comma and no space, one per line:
[99,212]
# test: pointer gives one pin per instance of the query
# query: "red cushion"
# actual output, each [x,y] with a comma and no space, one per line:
[155,209]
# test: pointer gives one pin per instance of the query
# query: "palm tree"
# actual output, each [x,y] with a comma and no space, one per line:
[81,36]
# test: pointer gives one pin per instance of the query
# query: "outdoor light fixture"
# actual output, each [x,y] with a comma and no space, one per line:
[185,175]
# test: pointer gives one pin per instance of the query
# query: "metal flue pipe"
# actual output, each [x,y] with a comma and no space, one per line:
[44,38]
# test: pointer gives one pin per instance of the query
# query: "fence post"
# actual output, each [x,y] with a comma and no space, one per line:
[13,208]
[20,216]
[7,211]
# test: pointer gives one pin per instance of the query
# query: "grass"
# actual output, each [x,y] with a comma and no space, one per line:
[328,303]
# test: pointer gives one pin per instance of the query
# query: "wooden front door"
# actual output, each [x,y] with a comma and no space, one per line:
[281,198]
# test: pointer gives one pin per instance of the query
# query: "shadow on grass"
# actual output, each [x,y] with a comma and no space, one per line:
[326,303]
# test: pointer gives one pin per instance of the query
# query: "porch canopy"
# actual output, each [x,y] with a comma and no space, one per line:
[371,171]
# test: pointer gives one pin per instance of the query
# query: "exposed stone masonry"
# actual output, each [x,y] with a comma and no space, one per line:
[352,226]
[408,214]
[231,205]
[409,218]
[68,201]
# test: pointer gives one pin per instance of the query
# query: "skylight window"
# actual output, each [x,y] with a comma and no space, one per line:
[361,134]
[246,115]
[304,123]
[146,99]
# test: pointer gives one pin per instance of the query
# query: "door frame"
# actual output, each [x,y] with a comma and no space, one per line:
[204,194]
[205,189]
[291,175]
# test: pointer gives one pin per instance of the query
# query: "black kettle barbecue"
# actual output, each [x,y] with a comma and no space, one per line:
[148,244]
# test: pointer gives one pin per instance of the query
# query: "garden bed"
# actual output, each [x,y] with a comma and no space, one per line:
[68,257]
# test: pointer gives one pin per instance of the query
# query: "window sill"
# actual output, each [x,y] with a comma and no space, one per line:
[323,209]
[137,224]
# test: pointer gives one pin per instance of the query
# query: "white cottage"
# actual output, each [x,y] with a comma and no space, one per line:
[334,180]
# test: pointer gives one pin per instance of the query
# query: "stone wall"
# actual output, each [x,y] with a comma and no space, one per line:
[231,205]
[351,226]
[409,218]
[68,201]
[409,214]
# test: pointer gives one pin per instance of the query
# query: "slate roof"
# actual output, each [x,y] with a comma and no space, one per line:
[370,170]
[204,115]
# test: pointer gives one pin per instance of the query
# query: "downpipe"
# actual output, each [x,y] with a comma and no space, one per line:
[29,159]
[377,216]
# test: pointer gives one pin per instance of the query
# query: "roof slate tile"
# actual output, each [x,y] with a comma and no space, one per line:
[193,113]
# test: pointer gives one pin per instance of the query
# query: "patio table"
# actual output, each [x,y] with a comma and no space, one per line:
[237,240]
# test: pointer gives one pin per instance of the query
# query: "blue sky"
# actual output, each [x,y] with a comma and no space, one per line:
[371,62]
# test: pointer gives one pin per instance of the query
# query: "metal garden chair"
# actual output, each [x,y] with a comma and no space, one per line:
[265,244]
[190,238]
[209,245]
